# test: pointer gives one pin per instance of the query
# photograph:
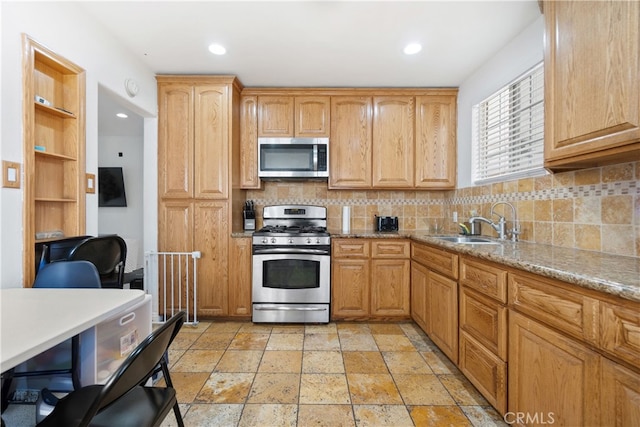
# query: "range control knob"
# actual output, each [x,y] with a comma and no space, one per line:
[273,240]
[290,241]
[308,240]
[265,240]
[318,240]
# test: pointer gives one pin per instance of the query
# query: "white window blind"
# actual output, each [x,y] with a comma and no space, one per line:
[508,130]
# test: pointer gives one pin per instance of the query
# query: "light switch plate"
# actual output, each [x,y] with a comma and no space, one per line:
[91,183]
[10,174]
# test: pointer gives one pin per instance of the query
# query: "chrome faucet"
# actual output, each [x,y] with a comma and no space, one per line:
[501,225]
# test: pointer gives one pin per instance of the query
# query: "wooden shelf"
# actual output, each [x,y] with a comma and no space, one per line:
[54,155]
[54,200]
[54,110]
[54,197]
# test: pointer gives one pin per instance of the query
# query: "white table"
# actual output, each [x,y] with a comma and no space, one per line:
[34,320]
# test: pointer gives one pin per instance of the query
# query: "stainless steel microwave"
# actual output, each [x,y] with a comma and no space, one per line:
[293,157]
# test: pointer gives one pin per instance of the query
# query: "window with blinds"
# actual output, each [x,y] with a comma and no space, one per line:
[508,131]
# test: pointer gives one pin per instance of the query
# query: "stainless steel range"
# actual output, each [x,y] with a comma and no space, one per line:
[292,266]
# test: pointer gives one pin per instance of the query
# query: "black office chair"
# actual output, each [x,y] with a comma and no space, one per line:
[124,400]
[108,254]
[60,362]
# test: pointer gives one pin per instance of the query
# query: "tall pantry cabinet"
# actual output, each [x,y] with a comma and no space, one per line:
[198,137]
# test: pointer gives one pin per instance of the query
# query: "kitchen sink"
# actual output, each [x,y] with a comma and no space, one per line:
[468,240]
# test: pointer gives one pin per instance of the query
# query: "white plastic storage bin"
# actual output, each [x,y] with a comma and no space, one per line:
[103,349]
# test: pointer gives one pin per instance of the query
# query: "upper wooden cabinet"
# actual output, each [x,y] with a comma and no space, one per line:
[592,63]
[54,149]
[435,133]
[393,142]
[350,142]
[194,140]
[288,116]
[249,143]
[312,116]
[379,138]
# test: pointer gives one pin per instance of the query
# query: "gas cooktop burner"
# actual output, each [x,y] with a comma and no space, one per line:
[292,229]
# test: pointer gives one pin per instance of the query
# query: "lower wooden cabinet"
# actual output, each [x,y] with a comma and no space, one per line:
[442,303]
[620,396]
[240,277]
[390,287]
[485,370]
[552,377]
[419,288]
[434,299]
[370,278]
[483,345]
[178,222]
[350,287]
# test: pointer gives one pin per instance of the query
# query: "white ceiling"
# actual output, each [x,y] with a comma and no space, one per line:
[317,43]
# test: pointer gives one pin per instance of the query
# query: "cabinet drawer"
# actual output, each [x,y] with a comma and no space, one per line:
[551,302]
[620,331]
[484,319]
[390,248]
[436,259]
[484,277]
[485,370]
[351,248]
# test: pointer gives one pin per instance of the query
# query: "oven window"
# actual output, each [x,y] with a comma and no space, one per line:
[291,274]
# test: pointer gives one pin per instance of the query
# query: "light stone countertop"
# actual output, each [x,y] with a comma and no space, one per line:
[611,274]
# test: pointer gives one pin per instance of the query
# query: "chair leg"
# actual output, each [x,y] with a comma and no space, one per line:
[178,415]
[7,380]
[169,383]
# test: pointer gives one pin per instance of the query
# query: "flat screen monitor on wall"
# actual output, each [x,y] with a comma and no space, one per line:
[111,188]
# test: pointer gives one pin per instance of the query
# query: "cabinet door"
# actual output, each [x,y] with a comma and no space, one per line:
[485,370]
[620,395]
[485,320]
[275,116]
[210,235]
[312,116]
[551,375]
[175,234]
[350,142]
[211,139]
[620,331]
[592,62]
[175,140]
[393,158]
[419,283]
[390,287]
[249,143]
[435,142]
[350,288]
[443,314]
[240,277]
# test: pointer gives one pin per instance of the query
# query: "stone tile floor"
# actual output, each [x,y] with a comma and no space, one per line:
[340,374]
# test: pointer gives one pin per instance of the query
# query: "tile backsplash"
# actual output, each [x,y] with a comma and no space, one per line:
[593,209]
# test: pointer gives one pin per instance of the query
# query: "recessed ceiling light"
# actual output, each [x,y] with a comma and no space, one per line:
[412,48]
[217,49]
[122,115]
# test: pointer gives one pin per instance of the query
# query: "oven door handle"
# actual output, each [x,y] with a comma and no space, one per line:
[290,251]
[283,308]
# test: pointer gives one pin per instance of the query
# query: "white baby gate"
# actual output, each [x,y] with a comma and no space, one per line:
[176,277]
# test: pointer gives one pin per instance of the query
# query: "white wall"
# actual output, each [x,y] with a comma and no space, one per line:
[64,28]
[524,51]
[126,222]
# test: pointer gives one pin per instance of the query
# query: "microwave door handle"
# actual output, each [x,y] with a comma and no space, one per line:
[315,157]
